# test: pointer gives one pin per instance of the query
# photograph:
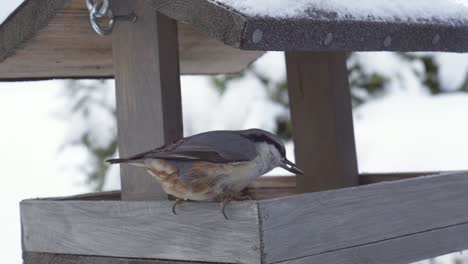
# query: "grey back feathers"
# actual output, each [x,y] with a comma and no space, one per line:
[221,146]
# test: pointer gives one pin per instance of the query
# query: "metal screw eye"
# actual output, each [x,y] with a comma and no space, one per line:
[102,11]
[94,14]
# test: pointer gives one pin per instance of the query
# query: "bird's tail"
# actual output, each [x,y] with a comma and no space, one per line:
[133,162]
[115,161]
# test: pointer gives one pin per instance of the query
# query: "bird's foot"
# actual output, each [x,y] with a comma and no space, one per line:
[244,195]
[233,196]
[177,201]
[223,206]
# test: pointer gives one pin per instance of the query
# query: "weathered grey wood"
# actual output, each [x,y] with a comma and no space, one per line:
[142,229]
[402,250]
[390,222]
[53,39]
[322,120]
[97,196]
[334,223]
[369,178]
[319,30]
[30,18]
[206,16]
[48,258]
[149,107]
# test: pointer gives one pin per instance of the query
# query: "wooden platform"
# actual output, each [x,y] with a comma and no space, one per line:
[367,224]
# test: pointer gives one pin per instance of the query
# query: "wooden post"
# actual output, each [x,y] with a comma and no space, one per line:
[149,110]
[322,120]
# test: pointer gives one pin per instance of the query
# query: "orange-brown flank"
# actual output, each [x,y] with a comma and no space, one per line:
[201,183]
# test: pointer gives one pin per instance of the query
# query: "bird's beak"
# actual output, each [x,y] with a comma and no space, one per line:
[289,166]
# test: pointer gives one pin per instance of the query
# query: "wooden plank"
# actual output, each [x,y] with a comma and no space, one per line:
[369,178]
[271,187]
[97,196]
[142,229]
[331,222]
[274,182]
[31,17]
[60,43]
[320,29]
[266,187]
[322,120]
[149,107]
[206,16]
[48,258]
[401,250]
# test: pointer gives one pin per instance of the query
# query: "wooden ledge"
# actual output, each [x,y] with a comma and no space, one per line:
[390,222]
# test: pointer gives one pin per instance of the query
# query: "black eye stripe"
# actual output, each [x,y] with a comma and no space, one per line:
[264,138]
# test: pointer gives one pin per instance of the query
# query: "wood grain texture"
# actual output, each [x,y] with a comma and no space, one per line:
[48,258]
[149,107]
[142,229]
[31,17]
[96,196]
[60,43]
[268,187]
[206,16]
[402,250]
[369,178]
[322,120]
[359,218]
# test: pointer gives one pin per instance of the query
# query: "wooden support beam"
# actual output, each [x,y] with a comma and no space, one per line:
[322,120]
[149,111]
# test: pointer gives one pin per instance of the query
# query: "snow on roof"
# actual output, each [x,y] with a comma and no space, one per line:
[385,10]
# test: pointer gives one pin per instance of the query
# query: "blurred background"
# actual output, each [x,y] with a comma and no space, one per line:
[410,114]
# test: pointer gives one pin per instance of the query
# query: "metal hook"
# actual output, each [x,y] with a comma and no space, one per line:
[102,11]
[94,14]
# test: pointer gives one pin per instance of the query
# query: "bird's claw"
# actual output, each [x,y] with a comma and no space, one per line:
[226,198]
[223,207]
[177,201]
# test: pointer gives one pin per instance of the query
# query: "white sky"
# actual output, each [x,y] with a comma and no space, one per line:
[407,130]
[7,7]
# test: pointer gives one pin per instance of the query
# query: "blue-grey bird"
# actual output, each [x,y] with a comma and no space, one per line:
[213,165]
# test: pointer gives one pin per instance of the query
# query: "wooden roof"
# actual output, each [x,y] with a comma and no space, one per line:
[321,29]
[53,39]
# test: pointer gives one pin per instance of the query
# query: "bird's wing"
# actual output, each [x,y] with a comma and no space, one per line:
[214,146]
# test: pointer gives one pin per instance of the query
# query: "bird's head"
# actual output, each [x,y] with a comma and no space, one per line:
[259,136]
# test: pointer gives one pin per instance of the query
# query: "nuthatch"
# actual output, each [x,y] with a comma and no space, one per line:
[215,164]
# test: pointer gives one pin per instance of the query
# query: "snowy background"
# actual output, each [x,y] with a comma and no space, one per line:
[405,130]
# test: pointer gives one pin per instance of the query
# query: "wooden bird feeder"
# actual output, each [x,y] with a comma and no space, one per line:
[296,219]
